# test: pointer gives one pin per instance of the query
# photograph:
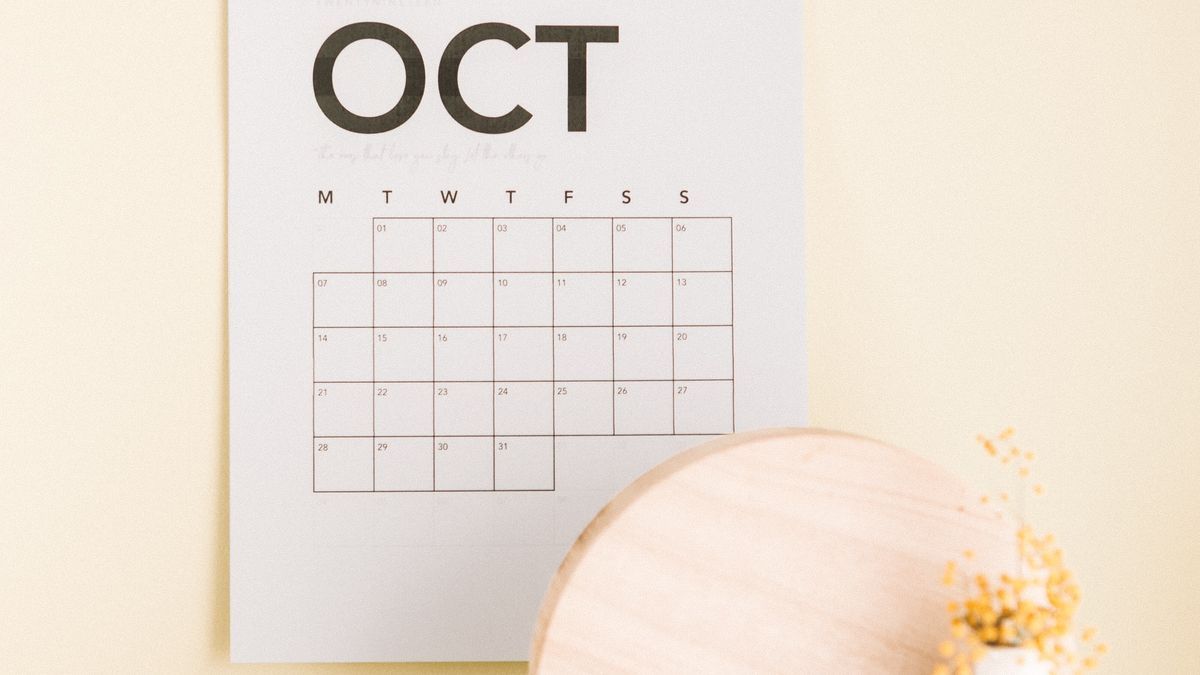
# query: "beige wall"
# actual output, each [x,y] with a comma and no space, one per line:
[1002,225]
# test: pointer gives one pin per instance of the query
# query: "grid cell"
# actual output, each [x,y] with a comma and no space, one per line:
[462,354]
[703,244]
[643,353]
[342,354]
[462,299]
[642,245]
[343,409]
[704,353]
[583,299]
[462,245]
[523,299]
[403,245]
[403,464]
[704,299]
[641,299]
[582,245]
[342,300]
[583,408]
[463,409]
[403,300]
[403,409]
[342,465]
[523,245]
[524,354]
[403,354]
[703,407]
[524,463]
[643,407]
[524,408]
[463,464]
[583,354]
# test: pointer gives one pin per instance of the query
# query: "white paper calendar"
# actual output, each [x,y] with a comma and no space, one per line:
[489,262]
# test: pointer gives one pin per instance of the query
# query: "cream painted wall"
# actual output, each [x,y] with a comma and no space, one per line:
[1003,228]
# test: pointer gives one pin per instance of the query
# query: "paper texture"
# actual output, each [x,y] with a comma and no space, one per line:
[488,263]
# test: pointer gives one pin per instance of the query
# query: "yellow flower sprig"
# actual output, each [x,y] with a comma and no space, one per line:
[1032,609]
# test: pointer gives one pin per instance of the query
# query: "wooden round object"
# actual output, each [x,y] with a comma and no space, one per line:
[781,551]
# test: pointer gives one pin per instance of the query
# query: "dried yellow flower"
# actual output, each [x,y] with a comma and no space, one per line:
[1033,608]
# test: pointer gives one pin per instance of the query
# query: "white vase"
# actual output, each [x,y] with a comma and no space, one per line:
[1012,661]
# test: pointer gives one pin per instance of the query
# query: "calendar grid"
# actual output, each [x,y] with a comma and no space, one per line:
[695,268]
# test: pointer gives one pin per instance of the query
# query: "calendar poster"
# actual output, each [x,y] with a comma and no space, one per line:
[489,262]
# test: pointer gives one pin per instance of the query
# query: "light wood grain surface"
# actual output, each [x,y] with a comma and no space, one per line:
[788,551]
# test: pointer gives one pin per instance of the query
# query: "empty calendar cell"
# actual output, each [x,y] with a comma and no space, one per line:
[704,353]
[523,245]
[703,298]
[462,354]
[524,463]
[342,354]
[403,299]
[523,299]
[703,244]
[354,256]
[462,299]
[583,299]
[583,354]
[342,300]
[403,245]
[462,409]
[403,409]
[342,465]
[524,408]
[403,464]
[462,245]
[403,354]
[524,353]
[703,407]
[583,408]
[463,463]
[343,409]
[642,244]
[642,353]
[582,245]
[641,299]
[643,407]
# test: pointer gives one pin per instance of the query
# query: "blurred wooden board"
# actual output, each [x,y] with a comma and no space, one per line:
[787,551]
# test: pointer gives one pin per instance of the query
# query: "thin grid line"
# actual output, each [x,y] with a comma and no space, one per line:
[732,340]
[532,326]
[553,359]
[674,384]
[374,390]
[520,272]
[507,381]
[612,295]
[313,291]
[493,390]
[552,435]
[433,346]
